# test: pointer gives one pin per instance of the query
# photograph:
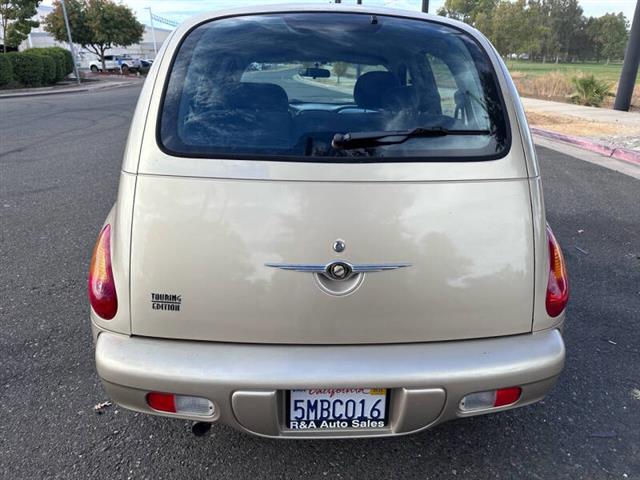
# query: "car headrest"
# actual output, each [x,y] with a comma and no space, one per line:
[410,97]
[370,89]
[256,96]
[401,98]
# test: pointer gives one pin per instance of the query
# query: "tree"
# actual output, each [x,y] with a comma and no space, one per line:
[15,18]
[592,30]
[608,34]
[339,69]
[478,13]
[508,25]
[543,28]
[97,25]
[459,9]
[566,22]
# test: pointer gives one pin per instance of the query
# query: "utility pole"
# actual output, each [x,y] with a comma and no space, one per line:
[153,34]
[630,67]
[425,6]
[71,47]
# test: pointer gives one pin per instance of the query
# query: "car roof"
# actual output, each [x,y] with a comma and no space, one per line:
[188,24]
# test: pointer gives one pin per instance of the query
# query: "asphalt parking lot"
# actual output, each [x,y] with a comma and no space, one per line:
[59,163]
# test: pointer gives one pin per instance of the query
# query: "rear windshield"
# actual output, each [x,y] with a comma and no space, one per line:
[283,86]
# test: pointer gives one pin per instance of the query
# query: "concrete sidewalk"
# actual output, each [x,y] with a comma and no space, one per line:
[592,114]
[72,87]
[605,131]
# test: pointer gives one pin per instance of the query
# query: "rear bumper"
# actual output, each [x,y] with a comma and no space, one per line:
[246,382]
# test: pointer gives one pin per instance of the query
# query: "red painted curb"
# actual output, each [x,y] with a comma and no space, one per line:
[626,155]
[619,153]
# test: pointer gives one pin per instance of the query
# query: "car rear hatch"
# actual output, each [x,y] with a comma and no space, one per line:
[227,249]
[201,247]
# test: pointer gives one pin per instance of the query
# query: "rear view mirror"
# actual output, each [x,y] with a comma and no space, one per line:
[314,72]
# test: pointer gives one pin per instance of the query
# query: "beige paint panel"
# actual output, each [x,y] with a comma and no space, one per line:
[131,155]
[515,109]
[469,243]
[154,161]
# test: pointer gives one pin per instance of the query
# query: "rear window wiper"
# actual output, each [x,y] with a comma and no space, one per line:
[375,139]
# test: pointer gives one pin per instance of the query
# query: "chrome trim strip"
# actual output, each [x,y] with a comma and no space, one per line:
[300,267]
[323,268]
[377,267]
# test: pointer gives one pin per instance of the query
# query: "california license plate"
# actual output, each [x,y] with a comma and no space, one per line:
[337,408]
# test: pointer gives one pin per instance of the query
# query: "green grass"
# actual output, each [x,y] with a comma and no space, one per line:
[608,73]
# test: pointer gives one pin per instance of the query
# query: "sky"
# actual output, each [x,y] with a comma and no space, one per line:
[178,10]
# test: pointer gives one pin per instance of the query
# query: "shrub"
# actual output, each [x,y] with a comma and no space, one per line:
[590,91]
[66,56]
[552,85]
[49,74]
[56,72]
[6,70]
[35,67]
[28,68]
[61,64]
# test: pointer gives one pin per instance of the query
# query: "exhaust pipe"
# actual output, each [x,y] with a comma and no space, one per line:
[199,429]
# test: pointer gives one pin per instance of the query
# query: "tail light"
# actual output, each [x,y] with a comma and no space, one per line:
[558,283]
[185,404]
[163,402]
[507,396]
[102,288]
[490,399]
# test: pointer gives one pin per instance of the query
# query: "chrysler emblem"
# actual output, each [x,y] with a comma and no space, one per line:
[339,271]
[338,278]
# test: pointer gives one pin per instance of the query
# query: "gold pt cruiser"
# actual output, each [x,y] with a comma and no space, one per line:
[329,223]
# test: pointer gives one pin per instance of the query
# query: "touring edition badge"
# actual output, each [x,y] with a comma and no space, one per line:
[166,301]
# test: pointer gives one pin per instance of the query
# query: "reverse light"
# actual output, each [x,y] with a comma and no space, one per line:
[558,283]
[102,288]
[185,404]
[490,399]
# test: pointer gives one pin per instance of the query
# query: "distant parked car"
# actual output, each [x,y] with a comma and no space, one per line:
[302,262]
[120,63]
[144,65]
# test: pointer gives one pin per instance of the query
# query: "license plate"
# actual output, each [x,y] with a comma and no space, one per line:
[337,408]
